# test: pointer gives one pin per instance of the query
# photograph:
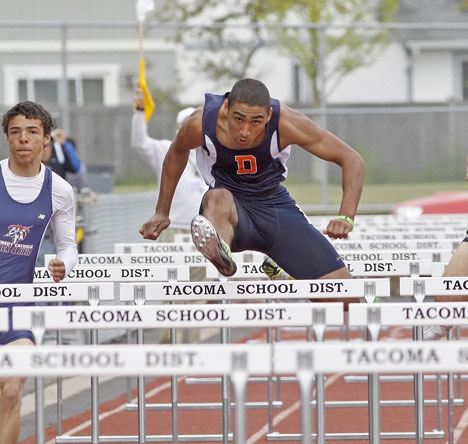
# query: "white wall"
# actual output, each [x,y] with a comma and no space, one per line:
[269,67]
[384,81]
[433,76]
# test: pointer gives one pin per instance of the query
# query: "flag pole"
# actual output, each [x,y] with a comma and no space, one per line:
[140,39]
[142,8]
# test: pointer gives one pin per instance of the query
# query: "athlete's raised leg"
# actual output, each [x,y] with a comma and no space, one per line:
[213,229]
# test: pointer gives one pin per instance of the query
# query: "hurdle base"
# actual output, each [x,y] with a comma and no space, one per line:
[204,406]
[275,436]
[134,438]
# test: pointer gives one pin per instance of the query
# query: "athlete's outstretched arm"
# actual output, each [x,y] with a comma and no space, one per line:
[296,128]
[188,137]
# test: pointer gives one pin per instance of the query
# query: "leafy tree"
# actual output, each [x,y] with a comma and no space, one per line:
[463,5]
[331,53]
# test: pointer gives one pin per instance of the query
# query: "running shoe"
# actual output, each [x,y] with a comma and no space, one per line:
[209,244]
[435,332]
[274,271]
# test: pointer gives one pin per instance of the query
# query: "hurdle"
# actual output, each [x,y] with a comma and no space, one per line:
[397,245]
[119,273]
[408,235]
[410,314]
[163,316]
[53,293]
[303,359]
[154,247]
[146,360]
[166,259]
[254,270]
[370,357]
[260,290]
[175,247]
[257,290]
[56,292]
[187,291]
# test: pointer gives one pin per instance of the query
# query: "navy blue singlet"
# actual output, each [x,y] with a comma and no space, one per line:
[250,171]
[22,226]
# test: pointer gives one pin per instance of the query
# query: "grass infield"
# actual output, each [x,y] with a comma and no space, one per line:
[309,194]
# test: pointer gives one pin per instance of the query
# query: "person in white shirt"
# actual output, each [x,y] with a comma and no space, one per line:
[32,197]
[189,193]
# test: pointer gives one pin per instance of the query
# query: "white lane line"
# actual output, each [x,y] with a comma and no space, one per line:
[461,426]
[70,387]
[285,413]
[115,410]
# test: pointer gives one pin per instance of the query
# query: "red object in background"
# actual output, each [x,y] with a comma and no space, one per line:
[437,203]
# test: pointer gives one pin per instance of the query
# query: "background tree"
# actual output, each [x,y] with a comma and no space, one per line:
[327,54]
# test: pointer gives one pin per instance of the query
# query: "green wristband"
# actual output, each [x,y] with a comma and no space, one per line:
[346,219]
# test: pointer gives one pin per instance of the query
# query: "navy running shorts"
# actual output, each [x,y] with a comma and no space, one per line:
[12,335]
[273,224]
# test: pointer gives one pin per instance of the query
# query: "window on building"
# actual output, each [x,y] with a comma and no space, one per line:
[87,84]
[80,91]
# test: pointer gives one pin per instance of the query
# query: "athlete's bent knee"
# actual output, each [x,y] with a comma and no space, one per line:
[11,391]
[218,198]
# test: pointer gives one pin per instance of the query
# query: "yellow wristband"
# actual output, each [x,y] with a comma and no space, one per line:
[346,219]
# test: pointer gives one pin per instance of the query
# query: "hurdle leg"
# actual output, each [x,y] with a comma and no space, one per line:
[40,424]
[59,392]
[38,330]
[305,378]
[225,393]
[270,340]
[277,338]
[128,379]
[450,397]
[373,379]
[94,398]
[318,325]
[439,401]
[239,381]
[174,395]
[419,394]
[141,398]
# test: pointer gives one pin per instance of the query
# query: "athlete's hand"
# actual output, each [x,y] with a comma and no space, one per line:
[138,102]
[57,269]
[338,229]
[154,226]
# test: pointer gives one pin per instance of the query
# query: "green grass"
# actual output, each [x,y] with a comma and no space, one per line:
[135,187]
[309,193]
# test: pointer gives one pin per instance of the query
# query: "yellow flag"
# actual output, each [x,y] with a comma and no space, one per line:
[148,102]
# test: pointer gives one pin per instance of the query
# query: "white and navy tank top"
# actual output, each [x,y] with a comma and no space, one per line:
[22,226]
[242,171]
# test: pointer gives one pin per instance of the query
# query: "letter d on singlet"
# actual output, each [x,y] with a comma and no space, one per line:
[246,164]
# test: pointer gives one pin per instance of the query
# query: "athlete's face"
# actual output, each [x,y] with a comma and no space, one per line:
[246,123]
[26,140]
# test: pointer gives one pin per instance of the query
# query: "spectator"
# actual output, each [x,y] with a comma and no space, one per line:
[189,193]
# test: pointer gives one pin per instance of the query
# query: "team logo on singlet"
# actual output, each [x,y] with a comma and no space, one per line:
[17,233]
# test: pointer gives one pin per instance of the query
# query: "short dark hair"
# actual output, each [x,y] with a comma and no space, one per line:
[30,110]
[251,92]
